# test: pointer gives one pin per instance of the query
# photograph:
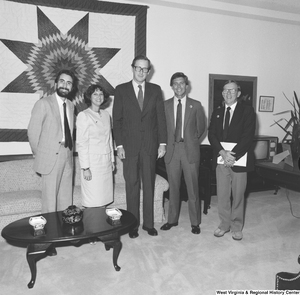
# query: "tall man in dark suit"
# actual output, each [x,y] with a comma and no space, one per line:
[234,122]
[50,138]
[139,128]
[185,124]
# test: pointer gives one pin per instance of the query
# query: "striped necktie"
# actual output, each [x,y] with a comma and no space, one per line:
[140,97]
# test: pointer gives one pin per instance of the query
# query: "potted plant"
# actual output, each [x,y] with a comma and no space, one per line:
[292,128]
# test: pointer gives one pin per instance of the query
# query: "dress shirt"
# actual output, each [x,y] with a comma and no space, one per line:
[183,103]
[136,88]
[232,108]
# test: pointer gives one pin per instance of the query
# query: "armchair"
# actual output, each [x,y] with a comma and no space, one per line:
[207,179]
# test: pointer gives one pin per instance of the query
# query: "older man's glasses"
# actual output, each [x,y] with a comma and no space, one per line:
[232,91]
[139,69]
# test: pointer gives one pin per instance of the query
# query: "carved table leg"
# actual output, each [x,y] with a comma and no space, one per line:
[277,188]
[117,246]
[34,253]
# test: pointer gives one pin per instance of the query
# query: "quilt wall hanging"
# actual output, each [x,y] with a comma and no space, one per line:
[95,39]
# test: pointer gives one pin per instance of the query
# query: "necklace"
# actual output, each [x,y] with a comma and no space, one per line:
[98,111]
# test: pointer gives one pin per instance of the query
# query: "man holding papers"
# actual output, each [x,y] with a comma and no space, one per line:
[231,132]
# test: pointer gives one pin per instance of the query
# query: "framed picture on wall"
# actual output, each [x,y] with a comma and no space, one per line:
[248,86]
[266,103]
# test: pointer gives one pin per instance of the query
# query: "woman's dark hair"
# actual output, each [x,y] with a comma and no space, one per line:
[91,89]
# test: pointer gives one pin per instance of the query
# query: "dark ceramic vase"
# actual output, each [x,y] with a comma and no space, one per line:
[72,215]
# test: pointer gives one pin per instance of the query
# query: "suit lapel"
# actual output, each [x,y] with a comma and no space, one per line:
[188,111]
[71,112]
[132,95]
[220,119]
[70,108]
[147,95]
[170,113]
[55,107]
[236,118]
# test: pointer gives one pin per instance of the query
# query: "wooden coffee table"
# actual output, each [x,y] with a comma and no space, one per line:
[95,224]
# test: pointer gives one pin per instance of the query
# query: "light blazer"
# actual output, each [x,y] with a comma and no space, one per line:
[241,131]
[193,128]
[93,136]
[134,128]
[45,132]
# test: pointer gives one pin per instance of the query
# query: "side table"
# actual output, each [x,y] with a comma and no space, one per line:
[279,174]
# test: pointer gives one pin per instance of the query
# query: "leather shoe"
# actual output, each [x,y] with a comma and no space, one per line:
[168,226]
[133,234]
[220,233]
[196,229]
[151,231]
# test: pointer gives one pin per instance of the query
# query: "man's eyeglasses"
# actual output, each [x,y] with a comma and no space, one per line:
[232,91]
[139,69]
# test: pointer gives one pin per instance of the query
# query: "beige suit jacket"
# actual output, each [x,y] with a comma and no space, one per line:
[45,132]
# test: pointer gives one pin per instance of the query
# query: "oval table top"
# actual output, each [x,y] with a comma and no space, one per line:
[95,223]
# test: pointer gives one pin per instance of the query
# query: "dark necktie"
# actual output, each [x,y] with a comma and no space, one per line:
[226,124]
[140,97]
[68,138]
[178,137]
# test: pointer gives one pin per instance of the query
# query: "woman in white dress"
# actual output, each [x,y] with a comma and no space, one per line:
[95,150]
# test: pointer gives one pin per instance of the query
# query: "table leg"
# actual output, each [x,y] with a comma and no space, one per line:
[117,246]
[34,253]
[277,188]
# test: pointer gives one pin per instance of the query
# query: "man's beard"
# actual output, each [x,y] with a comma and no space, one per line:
[62,93]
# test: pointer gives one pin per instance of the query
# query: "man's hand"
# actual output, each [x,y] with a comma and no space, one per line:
[121,153]
[228,157]
[161,151]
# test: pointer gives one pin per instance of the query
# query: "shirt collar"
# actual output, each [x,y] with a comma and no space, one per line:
[232,107]
[59,99]
[181,99]
[136,85]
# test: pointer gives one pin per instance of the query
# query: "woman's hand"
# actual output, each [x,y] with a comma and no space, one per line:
[87,174]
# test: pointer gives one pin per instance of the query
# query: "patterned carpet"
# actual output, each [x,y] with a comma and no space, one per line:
[174,262]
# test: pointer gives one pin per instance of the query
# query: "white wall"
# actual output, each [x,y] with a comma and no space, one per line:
[203,37]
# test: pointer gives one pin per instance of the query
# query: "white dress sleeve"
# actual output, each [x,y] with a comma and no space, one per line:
[82,139]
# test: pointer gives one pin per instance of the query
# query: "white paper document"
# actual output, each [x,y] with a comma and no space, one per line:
[228,146]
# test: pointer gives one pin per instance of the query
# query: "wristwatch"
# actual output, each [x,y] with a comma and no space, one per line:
[84,169]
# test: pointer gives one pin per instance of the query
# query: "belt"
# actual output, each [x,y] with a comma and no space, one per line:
[181,140]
